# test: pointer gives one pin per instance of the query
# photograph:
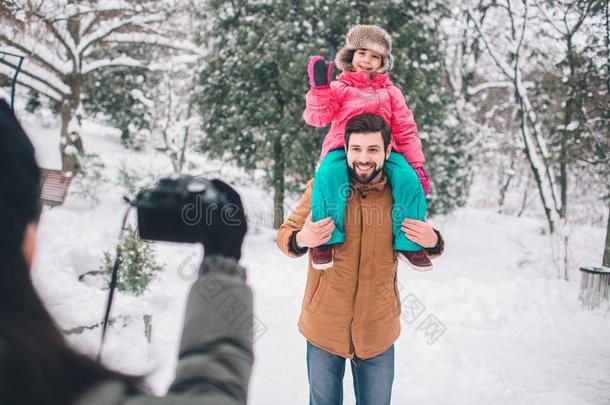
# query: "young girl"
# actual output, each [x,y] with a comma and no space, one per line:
[364,87]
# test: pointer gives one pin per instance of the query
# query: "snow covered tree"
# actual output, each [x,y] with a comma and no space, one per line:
[573,97]
[606,255]
[176,122]
[60,40]
[251,95]
[508,48]
[550,91]
[253,87]
[606,13]
[121,96]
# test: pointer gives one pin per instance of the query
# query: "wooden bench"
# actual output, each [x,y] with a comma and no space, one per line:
[54,187]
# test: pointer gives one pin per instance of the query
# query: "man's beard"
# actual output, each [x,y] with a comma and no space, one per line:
[364,179]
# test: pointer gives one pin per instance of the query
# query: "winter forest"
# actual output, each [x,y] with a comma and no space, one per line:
[512,104]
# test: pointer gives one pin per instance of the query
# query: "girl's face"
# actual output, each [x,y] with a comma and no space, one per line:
[366,61]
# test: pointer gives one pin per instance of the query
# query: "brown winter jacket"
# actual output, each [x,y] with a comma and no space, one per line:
[352,308]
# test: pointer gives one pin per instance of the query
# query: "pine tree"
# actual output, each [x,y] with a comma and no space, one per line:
[138,266]
[122,95]
[33,102]
[253,88]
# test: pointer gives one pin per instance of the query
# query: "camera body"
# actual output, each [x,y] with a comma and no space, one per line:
[176,210]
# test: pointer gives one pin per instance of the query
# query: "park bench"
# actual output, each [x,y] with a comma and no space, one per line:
[55,185]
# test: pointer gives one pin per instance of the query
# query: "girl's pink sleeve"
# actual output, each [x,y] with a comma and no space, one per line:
[321,105]
[404,129]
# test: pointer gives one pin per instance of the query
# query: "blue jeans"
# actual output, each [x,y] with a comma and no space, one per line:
[373,377]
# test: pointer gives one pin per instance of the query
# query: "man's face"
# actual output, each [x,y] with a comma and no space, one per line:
[366,156]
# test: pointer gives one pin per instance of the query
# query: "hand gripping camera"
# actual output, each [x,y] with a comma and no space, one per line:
[178,209]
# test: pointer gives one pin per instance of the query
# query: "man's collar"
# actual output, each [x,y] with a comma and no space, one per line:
[371,186]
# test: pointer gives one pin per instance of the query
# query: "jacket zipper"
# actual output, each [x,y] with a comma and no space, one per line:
[351,341]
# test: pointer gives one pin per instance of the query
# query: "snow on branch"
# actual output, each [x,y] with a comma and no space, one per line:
[175,60]
[88,67]
[108,29]
[153,39]
[31,83]
[549,18]
[59,33]
[62,10]
[504,84]
[40,74]
[506,69]
[522,35]
[97,7]
[36,51]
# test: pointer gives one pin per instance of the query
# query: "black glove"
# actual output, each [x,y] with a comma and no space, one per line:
[227,224]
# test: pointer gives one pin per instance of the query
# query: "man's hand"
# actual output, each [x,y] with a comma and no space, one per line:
[419,232]
[314,234]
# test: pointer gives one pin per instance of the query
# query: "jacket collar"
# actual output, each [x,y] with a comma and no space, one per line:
[380,185]
[355,79]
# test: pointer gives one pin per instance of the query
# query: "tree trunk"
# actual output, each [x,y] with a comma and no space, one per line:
[71,143]
[68,145]
[534,161]
[606,259]
[125,136]
[563,156]
[185,139]
[534,145]
[524,201]
[565,235]
[278,182]
[505,184]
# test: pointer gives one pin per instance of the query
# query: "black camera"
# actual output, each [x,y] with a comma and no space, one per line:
[178,209]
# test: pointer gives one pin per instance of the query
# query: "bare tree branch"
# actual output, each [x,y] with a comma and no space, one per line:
[501,65]
[51,27]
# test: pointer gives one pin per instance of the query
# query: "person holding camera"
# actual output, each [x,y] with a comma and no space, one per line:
[36,364]
[352,309]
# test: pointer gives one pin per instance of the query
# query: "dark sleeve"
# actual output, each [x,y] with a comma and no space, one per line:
[293,247]
[295,222]
[215,357]
[3,374]
[438,249]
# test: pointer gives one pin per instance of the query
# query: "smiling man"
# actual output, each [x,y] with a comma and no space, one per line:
[365,157]
[352,310]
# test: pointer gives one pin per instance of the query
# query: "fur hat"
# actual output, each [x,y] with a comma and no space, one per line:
[369,37]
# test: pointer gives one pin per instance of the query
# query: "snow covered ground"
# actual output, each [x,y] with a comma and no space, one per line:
[508,331]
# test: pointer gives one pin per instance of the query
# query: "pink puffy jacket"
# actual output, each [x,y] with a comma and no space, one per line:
[356,93]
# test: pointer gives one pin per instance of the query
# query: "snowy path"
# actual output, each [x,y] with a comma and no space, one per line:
[514,333]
